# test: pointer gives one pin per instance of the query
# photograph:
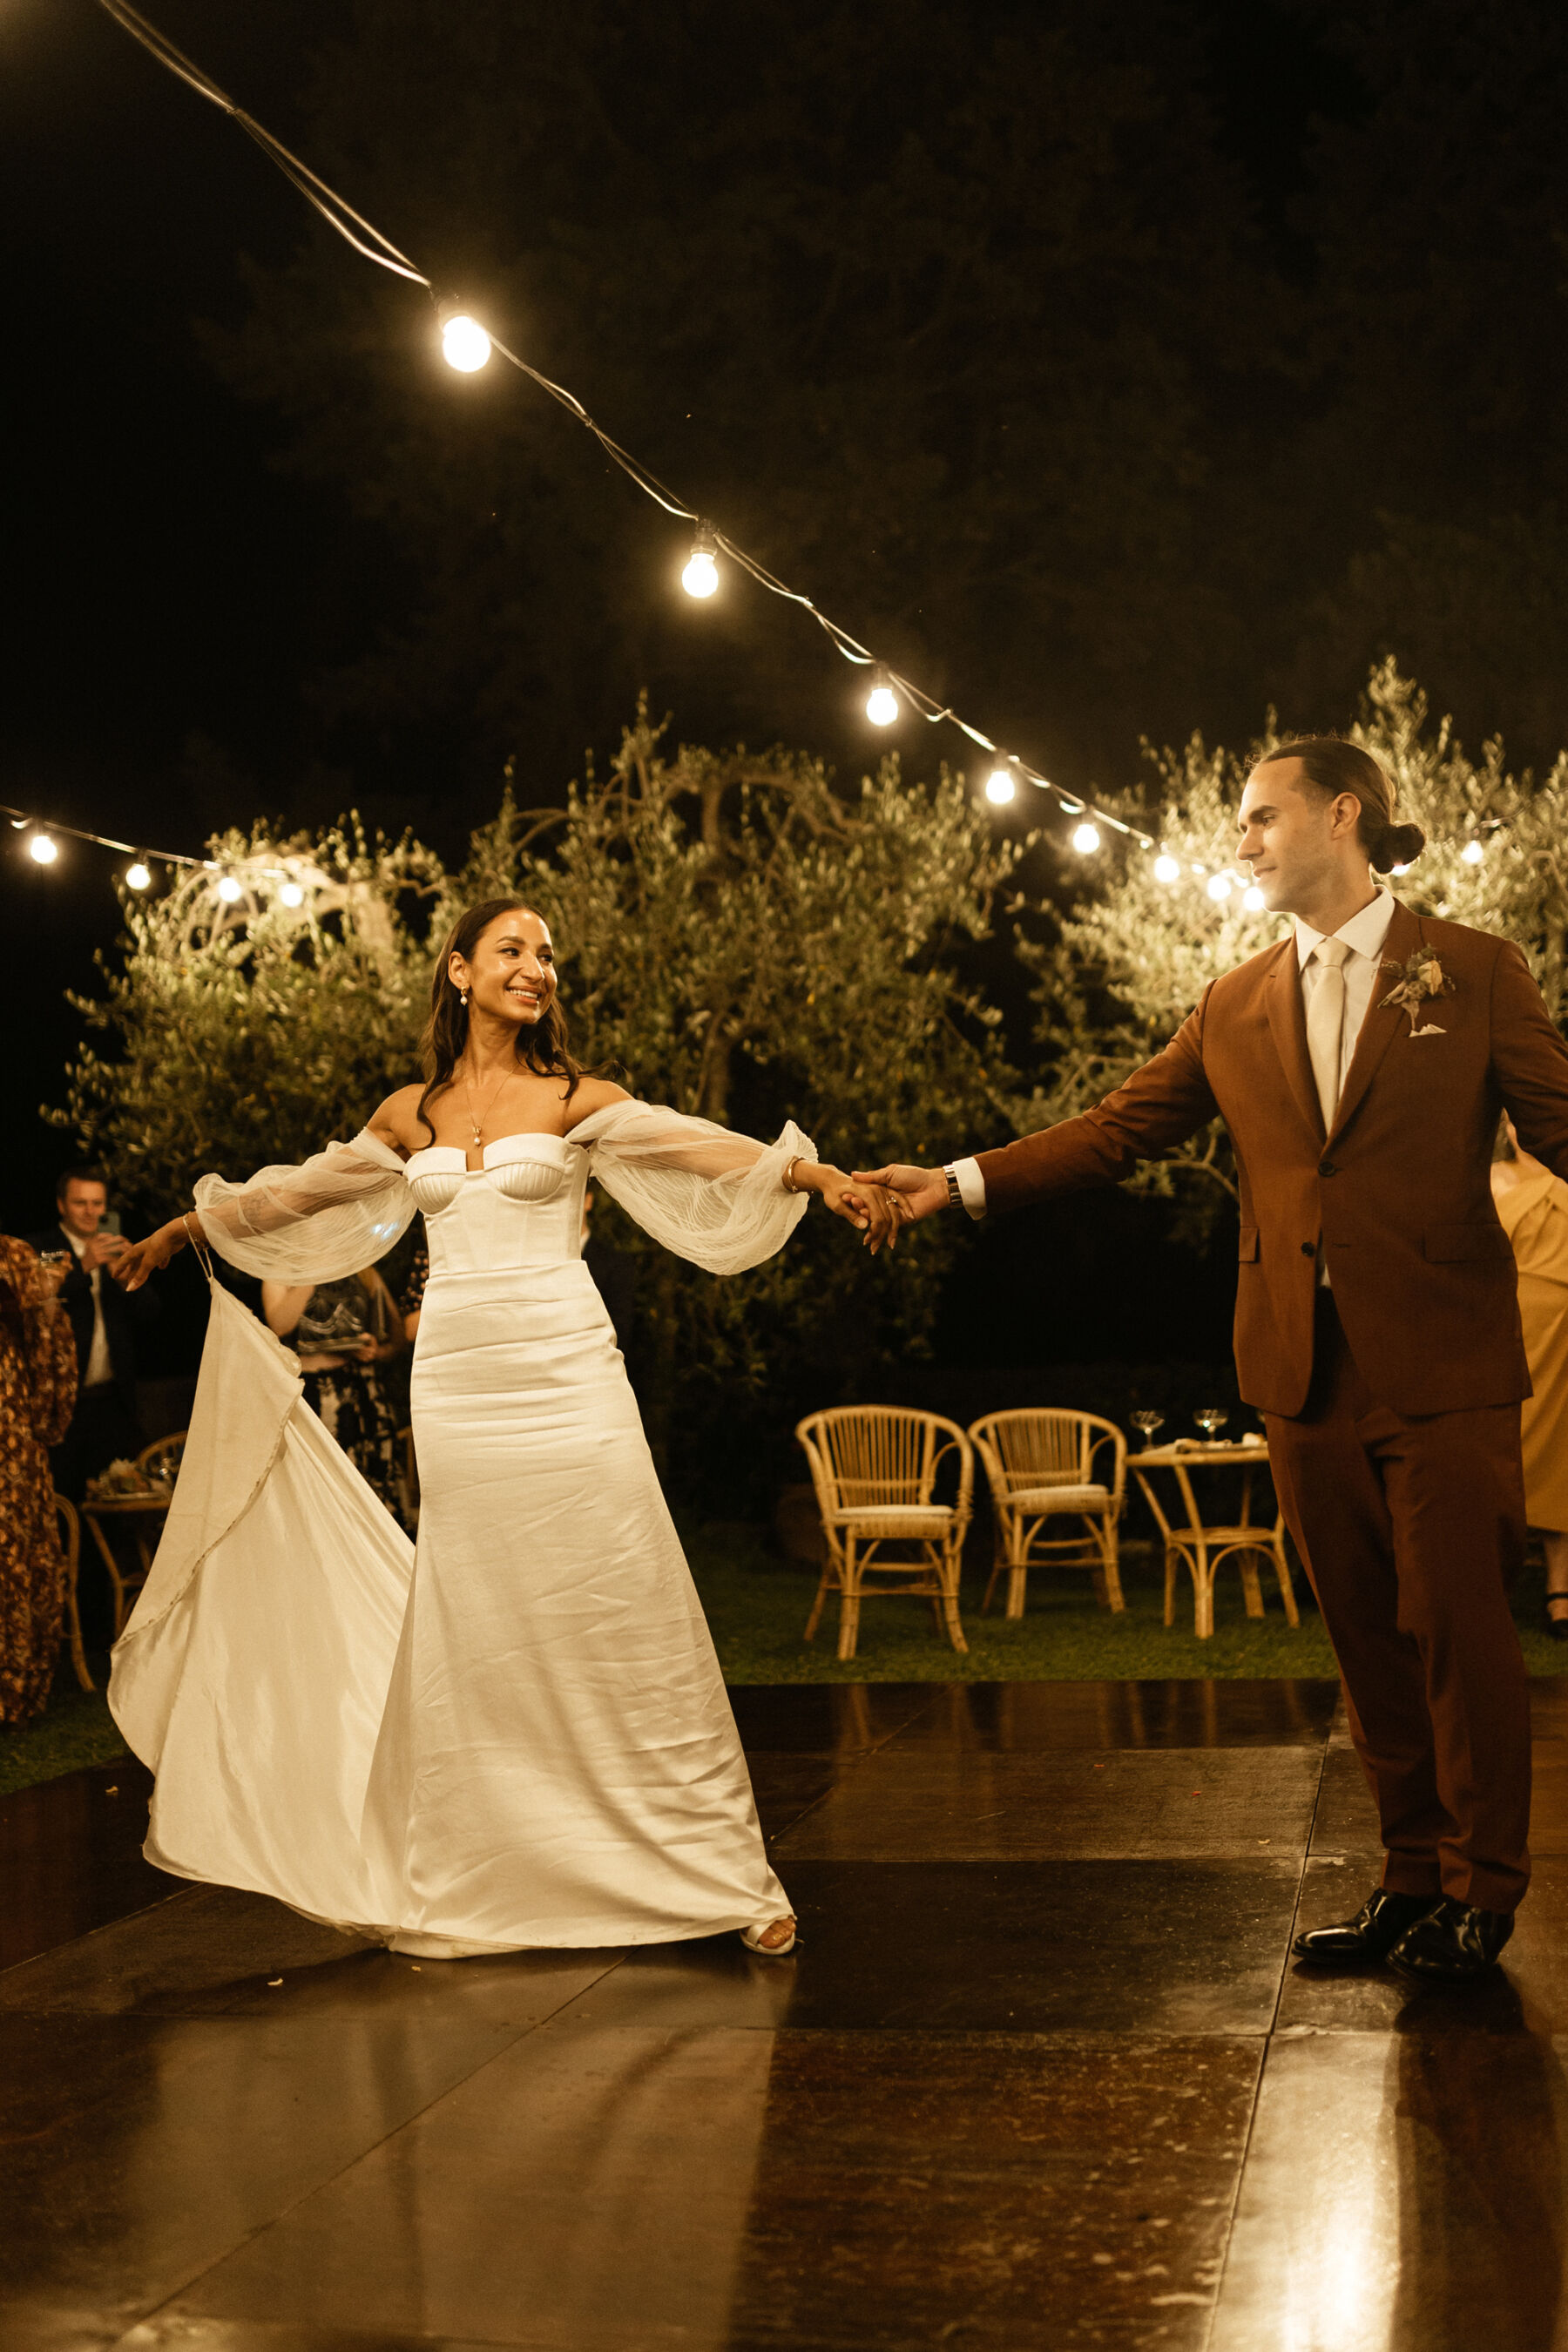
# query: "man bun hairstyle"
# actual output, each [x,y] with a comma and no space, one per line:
[1334,766]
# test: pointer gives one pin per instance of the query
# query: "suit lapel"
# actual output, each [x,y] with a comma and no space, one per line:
[1381,1026]
[1288,1026]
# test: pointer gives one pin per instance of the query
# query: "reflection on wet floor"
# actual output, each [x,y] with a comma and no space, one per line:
[1042,2073]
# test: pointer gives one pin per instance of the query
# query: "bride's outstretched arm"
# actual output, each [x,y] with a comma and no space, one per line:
[334,1214]
[725,1201]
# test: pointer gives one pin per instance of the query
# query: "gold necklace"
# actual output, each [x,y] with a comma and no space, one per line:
[476,1120]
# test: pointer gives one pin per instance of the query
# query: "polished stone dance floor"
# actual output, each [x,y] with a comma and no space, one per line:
[1043,2074]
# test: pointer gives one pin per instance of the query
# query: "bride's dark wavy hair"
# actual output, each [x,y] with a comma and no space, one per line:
[542,1049]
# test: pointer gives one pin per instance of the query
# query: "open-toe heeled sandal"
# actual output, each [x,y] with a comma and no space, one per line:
[751,1938]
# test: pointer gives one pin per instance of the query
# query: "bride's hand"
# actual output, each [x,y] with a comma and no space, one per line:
[134,1264]
[874,1210]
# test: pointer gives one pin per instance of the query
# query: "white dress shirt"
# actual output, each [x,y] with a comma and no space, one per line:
[98,1367]
[1363,935]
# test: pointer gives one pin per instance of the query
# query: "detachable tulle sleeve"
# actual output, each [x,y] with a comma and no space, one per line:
[711,1196]
[330,1217]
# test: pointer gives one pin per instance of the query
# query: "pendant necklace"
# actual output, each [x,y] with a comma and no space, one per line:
[477,1121]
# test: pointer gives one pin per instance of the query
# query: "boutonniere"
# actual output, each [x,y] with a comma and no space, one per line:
[1422,978]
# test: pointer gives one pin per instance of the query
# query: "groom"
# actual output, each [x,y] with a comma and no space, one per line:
[1361,1066]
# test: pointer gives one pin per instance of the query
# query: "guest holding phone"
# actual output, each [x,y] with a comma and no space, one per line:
[105,1321]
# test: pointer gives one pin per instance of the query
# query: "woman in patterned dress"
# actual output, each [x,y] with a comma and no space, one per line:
[37,1397]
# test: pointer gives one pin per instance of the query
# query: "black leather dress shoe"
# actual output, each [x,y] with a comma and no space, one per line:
[1372,1935]
[1452,1944]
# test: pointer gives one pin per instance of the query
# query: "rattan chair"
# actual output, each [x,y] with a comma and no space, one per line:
[1042,1468]
[163,1457]
[875,1468]
[70,1547]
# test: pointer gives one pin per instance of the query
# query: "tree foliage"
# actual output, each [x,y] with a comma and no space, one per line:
[234,1035]
[749,945]
[737,938]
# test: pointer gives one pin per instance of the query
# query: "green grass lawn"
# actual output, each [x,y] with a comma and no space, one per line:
[77,1729]
[757,1606]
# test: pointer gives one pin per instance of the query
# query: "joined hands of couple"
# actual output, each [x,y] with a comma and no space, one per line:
[881,1200]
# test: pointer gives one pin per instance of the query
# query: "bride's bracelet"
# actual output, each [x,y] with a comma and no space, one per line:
[790,1167]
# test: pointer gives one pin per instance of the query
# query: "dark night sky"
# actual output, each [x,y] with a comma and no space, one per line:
[167,617]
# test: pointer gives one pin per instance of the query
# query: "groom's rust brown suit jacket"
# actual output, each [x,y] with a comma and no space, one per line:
[1422,1271]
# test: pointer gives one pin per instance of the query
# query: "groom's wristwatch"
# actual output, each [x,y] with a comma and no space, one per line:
[955,1197]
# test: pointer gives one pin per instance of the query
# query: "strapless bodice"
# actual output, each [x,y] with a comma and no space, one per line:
[523,1205]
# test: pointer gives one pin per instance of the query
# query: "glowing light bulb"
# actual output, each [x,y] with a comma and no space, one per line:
[1472,852]
[463,342]
[700,576]
[43,849]
[1001,783]
[1086,839]
[1219,888]
[228,890]
[137,876]
[291,895]
[1253,900]
[1166,870]
[881,703]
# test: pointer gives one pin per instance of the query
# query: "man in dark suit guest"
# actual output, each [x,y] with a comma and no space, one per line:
[104,1321]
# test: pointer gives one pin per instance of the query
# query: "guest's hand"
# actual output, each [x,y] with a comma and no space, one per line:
[920,1190]
[103,1249]
[52,1272]
[137,1260]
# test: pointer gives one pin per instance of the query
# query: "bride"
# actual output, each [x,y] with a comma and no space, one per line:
[515,1735]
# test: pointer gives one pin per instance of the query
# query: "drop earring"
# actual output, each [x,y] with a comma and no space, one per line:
[463,997]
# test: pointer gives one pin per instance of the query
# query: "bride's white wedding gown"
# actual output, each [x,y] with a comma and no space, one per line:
[517,1735]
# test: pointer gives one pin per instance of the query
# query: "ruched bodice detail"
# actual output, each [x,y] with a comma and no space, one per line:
[522,1207]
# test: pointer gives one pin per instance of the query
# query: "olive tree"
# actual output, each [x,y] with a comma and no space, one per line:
[746,942]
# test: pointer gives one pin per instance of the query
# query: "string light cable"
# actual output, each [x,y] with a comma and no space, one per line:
[45,828]
[469,343]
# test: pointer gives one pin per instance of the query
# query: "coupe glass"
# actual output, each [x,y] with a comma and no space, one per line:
[1148,1423]
[1211,1419]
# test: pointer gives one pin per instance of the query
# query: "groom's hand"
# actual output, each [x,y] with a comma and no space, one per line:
[922,1190]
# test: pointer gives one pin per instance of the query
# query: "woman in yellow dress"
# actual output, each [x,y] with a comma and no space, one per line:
[1533,1206]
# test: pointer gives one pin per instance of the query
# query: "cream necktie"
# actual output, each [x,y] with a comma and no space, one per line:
[1326,1023]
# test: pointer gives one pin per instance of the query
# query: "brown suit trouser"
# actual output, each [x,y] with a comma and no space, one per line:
[1411,1530]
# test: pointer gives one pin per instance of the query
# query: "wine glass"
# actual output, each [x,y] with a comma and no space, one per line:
[1211,1419]
[1148,1423]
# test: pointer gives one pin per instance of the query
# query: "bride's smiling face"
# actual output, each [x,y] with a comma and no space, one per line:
[511,972]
